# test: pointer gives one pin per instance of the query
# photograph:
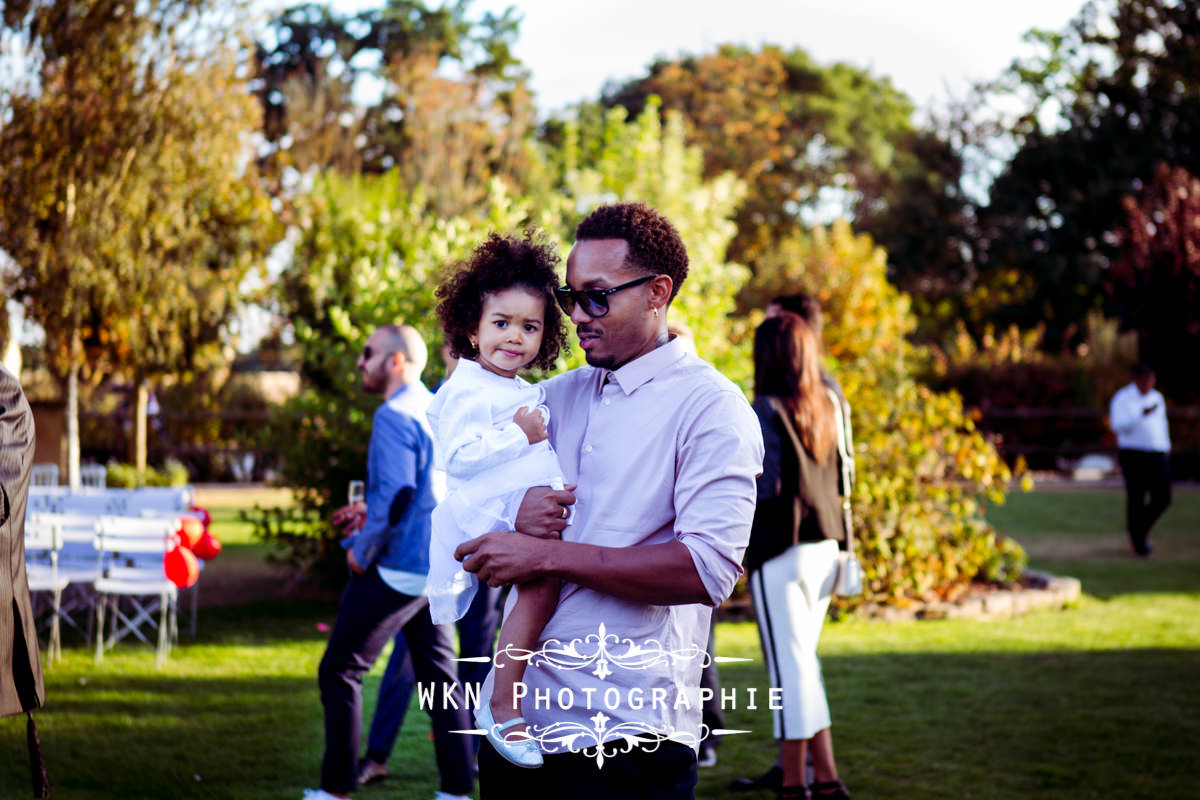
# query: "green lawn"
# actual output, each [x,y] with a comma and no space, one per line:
[1098,701]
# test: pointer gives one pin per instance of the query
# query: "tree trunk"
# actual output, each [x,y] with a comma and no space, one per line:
[73,425]
[142,400]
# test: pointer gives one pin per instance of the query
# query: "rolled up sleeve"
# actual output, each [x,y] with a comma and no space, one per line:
[720,458]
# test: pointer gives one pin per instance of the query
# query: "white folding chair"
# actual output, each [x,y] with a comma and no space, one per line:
[132,551]
[41,569]
[73,557]
[93,476]
[191,595]
[44,475]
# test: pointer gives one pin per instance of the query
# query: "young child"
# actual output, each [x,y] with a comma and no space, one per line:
[489,425]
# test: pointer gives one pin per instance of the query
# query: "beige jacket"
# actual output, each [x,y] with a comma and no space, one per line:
[21,687]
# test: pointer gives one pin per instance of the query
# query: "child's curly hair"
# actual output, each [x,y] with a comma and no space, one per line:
[501,262]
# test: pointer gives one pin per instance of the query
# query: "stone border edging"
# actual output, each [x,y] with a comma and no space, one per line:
[1046,592]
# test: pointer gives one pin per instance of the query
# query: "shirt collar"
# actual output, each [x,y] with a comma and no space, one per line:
[645,368]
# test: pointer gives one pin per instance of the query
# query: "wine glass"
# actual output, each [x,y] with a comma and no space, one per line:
[357,492]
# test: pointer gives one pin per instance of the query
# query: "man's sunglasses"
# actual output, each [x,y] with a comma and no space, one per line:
[594,301]
[367,352]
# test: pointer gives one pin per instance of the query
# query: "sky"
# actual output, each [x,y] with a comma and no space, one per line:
[931,49]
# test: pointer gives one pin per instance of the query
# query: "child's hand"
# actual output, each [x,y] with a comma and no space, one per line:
[530,420]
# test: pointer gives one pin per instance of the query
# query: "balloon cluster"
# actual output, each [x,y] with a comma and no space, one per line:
[195,542]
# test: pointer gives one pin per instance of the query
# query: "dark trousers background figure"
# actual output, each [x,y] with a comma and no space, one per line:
[476,638]
[370,614]
[1147,493]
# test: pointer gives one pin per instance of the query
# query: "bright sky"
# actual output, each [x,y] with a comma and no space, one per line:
[929,48]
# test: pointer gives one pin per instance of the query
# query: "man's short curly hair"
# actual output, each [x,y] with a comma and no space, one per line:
[501,262]
[654,244]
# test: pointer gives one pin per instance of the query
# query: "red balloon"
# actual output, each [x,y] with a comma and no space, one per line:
[190,530]
[181,567]
[205,517]
[208,548]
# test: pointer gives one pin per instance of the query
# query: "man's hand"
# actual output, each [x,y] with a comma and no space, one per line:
[531,421]
[350,518]
[543,512]
[355,567]
[502,558]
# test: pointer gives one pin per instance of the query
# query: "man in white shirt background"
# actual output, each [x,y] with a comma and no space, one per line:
[1138,415]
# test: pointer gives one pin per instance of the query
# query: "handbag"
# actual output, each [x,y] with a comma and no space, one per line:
[849,571]
[848,581]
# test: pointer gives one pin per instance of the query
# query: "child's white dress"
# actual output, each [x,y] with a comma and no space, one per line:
[487,459]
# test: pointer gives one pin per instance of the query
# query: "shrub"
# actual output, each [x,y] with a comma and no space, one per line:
[925,473]
[125,476]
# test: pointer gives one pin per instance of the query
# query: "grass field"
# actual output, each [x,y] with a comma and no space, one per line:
[1098,701]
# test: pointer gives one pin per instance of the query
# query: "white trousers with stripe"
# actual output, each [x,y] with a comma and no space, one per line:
[791,596]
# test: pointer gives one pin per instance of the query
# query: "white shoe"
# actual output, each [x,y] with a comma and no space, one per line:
[319,794]
[524,752]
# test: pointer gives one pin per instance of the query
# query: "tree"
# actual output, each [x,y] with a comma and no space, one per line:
[1155,282]
[450,107]
[1105,100]
[128,143]
[804,137]
[649,159]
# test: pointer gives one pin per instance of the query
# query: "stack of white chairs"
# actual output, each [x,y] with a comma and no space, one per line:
[65,546]
[172,502]
[131,552]
[97,555]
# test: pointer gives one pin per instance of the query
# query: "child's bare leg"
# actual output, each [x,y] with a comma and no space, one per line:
[536,602]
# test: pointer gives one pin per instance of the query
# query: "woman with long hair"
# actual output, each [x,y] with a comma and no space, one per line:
[792,555]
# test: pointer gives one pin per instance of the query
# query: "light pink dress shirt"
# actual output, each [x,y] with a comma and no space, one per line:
[667,448]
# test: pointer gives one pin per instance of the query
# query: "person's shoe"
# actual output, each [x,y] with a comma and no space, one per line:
[523,751]
[771,779]
[371,772]
[319,794]
[707,757]
[829,790]
[794,793]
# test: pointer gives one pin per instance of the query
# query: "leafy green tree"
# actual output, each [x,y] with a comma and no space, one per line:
[451,108]
[649,159]
[1105,100]
[368,254]
[803,136]
[142,214]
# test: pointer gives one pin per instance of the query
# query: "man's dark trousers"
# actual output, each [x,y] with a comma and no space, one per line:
[667,773]
[476,637]
[1147,493]
[371,613]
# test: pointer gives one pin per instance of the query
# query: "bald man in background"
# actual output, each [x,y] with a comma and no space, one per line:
[388,559]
